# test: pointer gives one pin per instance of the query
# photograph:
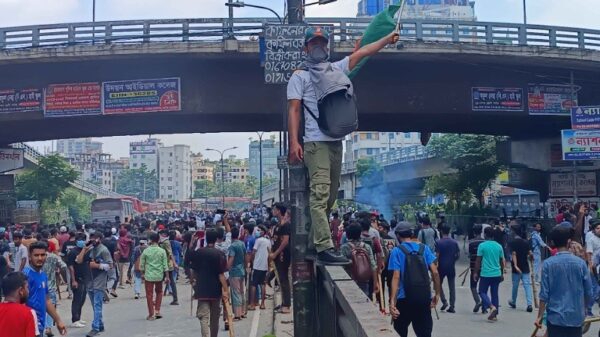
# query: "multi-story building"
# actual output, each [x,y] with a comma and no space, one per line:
[144,153]
[95,168]
[270,152]
[174,165]
[202,169]
[236,170]
[364,144]
[70,147]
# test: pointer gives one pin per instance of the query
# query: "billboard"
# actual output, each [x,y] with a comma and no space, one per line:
[75,99]
[550,99]
[585,117]
[25,100]
[138,96]
[496,99]
[561,184]
[580,144]
[10,159]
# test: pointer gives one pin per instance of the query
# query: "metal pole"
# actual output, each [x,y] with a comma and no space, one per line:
[260,170]
[230,23]
[295,11]
[525,11]
[191,188]
[94,21]
[222,181]
[574,161]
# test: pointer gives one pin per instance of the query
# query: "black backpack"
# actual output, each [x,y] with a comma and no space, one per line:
[338,114]
[417,285]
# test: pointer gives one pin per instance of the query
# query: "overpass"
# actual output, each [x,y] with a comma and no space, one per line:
[422,84]
[32,156]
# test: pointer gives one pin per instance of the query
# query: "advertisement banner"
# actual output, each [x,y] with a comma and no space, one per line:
[7,184]
[138,96]
[561,184]
[550,99]
[580,144]
[497,99]
[76,99]
[585,117]
[10,159]
[26,100]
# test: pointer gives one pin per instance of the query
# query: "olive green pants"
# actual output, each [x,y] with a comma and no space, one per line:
[324,163]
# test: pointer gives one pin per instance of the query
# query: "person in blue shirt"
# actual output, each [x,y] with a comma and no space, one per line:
[537,243]
[403,312]
[39,298]
[566,287]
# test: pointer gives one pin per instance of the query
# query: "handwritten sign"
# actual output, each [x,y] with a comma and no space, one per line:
[284,51]
[138,96]
[26,100]
[580,144]
[585,117]
[77,99]
[497,99]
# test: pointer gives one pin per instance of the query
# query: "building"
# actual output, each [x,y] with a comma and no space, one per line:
[144,153]
[174,172]
[70,147]
[365,144]
[422,9]
[95,168]
[236,170]
[202,169]
[115,167]
[270,152]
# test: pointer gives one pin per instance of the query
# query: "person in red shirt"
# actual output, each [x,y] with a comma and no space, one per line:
[16,318]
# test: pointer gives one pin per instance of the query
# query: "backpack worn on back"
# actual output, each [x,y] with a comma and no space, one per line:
[361,264]
[417,285]
[338,114]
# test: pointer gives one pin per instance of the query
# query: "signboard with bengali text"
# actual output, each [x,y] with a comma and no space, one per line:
[10,159]
[139,96]
[75,99]
[25,100]
[496,99]
[550,99]
[561,184]
[585,117]
[581,144]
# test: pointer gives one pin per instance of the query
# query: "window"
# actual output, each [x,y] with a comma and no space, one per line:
[170,188]
[170,154]
[170,179]
[369,152]
[134,165]
[407,135]
[391,135]
[355,137]
[369,135]
[170,196]
[133,156]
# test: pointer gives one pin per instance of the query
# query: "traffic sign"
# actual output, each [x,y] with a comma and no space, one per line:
[585,117]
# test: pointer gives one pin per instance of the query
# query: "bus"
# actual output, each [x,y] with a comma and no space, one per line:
[106,209]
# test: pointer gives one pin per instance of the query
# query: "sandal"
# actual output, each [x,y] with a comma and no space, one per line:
[150,318]
[158,315]
[263,307]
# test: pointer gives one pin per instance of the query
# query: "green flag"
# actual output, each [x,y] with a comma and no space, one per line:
[381,25]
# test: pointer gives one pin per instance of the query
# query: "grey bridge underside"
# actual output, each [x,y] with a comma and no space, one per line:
[424,86]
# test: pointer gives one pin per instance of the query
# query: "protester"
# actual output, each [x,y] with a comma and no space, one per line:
[260,266]
[411,301]
[16,319]
[237,273]
[80,276]
[363,271]
[52,265]
[565,288]
[21,259]
[282,254]
[137,272]
[489,269]
[520,252]
[537,244]
[154,268]
[124,248]
[39,298]
[473,247]
[210,286]
[165,244]
[448,253]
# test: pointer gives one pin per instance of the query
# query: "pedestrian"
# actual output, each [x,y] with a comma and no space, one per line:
[411,301]
[428,235]
[80,275]
[39,297]
[99,261]
[489,270]
[448,253]
[124,248]
[322,154]
[110,242]
[281,254]
[155,271]
[137,273]
[237,273]
[260,266]
[537,243]
[165,244]
[565,288]
[21,259]
[52,266]
[521,252]
[210,286]
[363,270]
[16,319]
[473,246]
[592,247]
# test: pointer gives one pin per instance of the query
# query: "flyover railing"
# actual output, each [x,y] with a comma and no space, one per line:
[397,156]
[34,156]
[345,29]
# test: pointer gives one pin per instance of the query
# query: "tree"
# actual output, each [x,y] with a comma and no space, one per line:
[140,183]
[205,188]
[77,204]
[474,159]
[46,182]
[369,171]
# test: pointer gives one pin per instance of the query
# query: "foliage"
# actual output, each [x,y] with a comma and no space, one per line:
[250,189]
[140,183]
[77,204]
[47,181]
[369,171]
[474,159]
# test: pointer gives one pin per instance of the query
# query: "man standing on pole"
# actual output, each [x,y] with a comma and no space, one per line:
[321,154]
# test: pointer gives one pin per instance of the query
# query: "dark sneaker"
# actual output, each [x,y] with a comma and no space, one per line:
[92,333]
[174,303]
[477,307]
[529,308]
[512,304]
[451,310]
[444,306]
[331,257]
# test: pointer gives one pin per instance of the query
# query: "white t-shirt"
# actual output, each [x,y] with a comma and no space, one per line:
[300,87]
[261,255]
[592,242]
[21,252]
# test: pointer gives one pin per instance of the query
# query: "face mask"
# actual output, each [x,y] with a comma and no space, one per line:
[318,54]
[257,234]
[80,243]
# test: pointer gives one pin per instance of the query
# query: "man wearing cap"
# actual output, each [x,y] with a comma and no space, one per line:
[322,155]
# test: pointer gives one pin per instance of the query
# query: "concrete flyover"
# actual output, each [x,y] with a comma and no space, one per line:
[423,84]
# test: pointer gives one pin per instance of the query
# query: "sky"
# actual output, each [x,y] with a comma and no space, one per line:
[572,13]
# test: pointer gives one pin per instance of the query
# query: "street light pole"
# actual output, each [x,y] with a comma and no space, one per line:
[221,153]
[525,11]
[260,169]
[93,21]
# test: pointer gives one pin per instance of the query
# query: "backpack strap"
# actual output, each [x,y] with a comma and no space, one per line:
[310,111]
[403,249]
[421,249]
